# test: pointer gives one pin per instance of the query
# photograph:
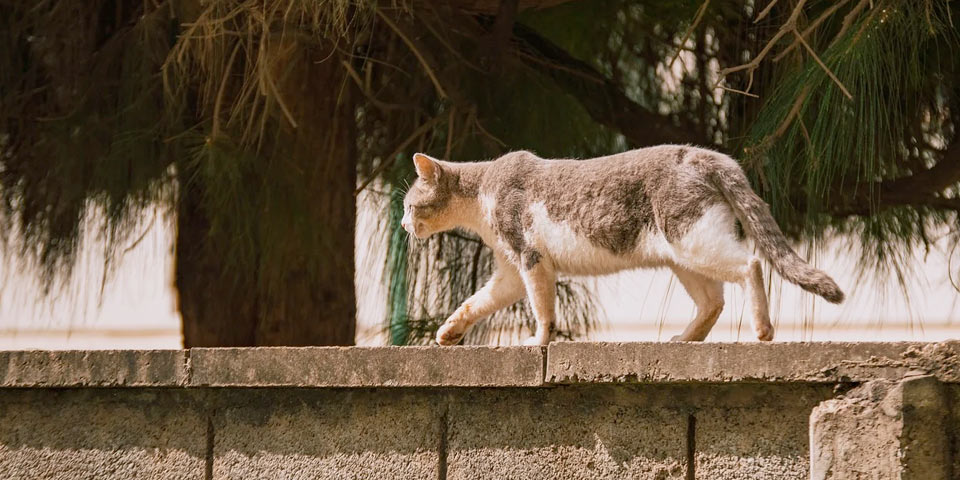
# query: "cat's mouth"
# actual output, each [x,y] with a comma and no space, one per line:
[408,226]
[414,229]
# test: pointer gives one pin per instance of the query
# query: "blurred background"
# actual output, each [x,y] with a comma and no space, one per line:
[136,307]
[229,172]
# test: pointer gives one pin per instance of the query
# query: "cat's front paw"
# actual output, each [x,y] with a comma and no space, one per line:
[448,335]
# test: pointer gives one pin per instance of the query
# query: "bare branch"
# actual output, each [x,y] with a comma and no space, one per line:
[690,29]
[810,28]
[766,11]
[416,51]
[822,65]
[741,92]
[752,65]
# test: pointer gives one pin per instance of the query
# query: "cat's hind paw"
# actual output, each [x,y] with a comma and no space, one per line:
[765,333]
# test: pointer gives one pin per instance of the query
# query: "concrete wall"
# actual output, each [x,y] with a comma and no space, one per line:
[571,410]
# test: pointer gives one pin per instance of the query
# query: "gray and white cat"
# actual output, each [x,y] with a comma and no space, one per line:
[667,206]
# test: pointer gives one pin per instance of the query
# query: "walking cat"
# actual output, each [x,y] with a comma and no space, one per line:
[672,206]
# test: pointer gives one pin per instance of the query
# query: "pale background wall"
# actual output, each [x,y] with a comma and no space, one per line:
[138,310]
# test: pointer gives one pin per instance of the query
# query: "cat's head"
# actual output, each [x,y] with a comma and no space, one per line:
[427,207]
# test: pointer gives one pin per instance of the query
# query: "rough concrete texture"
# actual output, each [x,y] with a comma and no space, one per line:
[100,434]
[93,368]
[569,433]
[574,362]
[883,430]
[953,426]
[564,362]
[368,367]
[659,411]
[757,433]
[322,434]
[939,359]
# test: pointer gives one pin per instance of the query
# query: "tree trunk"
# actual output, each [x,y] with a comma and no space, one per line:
[215,312]
[298,294]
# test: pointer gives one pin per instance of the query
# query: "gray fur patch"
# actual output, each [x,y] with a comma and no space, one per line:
[531,258]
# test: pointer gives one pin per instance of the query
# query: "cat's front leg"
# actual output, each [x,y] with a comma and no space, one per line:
[540,280]
[503,289]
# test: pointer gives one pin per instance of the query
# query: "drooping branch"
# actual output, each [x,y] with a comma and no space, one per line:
[602,98]
[502,29]
[920,189]
[945,173]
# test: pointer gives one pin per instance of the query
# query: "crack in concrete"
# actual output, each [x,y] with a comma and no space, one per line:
[208,466]
[442,447]
[691,447]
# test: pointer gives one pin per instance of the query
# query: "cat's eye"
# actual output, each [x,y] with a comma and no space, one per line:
[423,209]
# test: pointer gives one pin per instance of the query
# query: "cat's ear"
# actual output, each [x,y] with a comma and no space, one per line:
[428,168]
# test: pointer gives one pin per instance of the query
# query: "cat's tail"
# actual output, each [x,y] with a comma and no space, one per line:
[759,224]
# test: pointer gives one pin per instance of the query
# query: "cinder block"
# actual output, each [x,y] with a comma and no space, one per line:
[755,432]
[569,433]
[883,430]
[323,434]
[100,434]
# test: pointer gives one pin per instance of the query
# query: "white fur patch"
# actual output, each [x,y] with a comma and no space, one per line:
[711,245]
[487,206]
[483,227]
[577,255]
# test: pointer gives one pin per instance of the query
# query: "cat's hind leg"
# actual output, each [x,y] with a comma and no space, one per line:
[758,299]
[710,247]
[503,289]
[745,270]
[707,293]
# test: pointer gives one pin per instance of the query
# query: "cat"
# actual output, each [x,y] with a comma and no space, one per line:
[672,206]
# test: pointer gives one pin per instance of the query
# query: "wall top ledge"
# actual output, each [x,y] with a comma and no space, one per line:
[560,363]
[810,362]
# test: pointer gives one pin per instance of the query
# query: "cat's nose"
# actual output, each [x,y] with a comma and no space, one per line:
[405,224]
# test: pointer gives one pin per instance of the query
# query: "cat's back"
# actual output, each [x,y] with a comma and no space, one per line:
[651,169]
[523,169]
[650,166]
[649,162]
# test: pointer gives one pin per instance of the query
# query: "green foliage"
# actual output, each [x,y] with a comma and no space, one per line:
[401,326]
[819,156]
